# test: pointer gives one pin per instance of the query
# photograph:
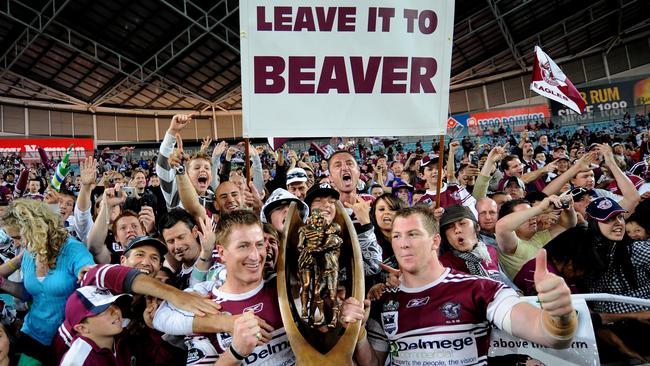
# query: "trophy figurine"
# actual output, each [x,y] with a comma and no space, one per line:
[319,264]
[319,246]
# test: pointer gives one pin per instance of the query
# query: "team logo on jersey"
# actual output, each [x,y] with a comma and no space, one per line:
[255,308]
[414,303]
[428,202]
[389,322]
[391,305]
[194,355]
[455,195]
[198,348]
[117,247]
[451,310]
[224,340]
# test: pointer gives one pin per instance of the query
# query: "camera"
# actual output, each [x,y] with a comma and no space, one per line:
[473,158]
[564,200]
[129,191]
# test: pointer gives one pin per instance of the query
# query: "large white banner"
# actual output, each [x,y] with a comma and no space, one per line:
[345,68]
[507,350]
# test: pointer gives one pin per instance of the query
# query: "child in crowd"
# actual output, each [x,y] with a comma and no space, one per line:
[96,318]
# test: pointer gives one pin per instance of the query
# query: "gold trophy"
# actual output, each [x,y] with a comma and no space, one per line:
[319,264]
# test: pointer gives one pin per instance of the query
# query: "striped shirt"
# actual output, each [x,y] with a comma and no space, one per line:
[447,320]
[85,352]
[204,349]
[167,176]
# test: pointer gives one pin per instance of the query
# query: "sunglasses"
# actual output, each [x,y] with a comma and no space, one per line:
[578,191]
[296,175]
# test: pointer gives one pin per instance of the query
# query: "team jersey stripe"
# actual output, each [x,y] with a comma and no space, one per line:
[65,335]
[445,329]
[77,354]
[476,332]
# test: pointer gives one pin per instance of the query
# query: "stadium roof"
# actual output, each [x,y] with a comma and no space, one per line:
[184,54]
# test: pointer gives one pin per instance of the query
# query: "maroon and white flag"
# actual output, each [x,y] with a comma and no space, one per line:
[276,142]
[550,82]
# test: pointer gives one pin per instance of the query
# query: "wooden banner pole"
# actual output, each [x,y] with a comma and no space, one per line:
[441,153]
[247,158]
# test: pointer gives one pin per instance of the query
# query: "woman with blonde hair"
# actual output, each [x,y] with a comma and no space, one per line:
[50,266]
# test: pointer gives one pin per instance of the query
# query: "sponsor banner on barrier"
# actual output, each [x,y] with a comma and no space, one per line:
[457,126]
[508,350]
[607,101]
[55,147]
[516,118]
[342,68]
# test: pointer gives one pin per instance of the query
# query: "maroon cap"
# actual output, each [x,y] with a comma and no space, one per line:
[428,159]
[90,301]
[604,208]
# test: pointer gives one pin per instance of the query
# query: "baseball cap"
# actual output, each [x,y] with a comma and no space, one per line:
[428,159]
[320,190]
[296,175]
[455,213]
[591,146]
[563,157]
[603,208]
[90,301]
[401,184]
[139,241]
[278,198]
[519,182]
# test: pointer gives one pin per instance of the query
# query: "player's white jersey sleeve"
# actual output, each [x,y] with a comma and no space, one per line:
[499,309]
[172,320]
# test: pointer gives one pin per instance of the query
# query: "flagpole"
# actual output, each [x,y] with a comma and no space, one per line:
[247,158]
[441,152]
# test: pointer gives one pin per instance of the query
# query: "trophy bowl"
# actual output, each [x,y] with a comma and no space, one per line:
[319,339]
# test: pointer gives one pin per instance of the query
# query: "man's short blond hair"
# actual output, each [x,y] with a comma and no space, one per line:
[431,225]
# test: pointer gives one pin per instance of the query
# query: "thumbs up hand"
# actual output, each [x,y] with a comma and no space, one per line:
[553,293]
[559,318]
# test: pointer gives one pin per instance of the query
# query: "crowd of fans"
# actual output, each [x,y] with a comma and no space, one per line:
[104,270]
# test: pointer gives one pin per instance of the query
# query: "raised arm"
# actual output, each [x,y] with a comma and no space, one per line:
[88,175]
[186,191]
[533,175]
[216,163]
[163,169]
[483,180]
[507,225]
[293,157]
[631,196]
[97,235]
[584,163]
[207,239]
[556,323]
[568,219]
[451,162]
[83,218]
[256,173]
